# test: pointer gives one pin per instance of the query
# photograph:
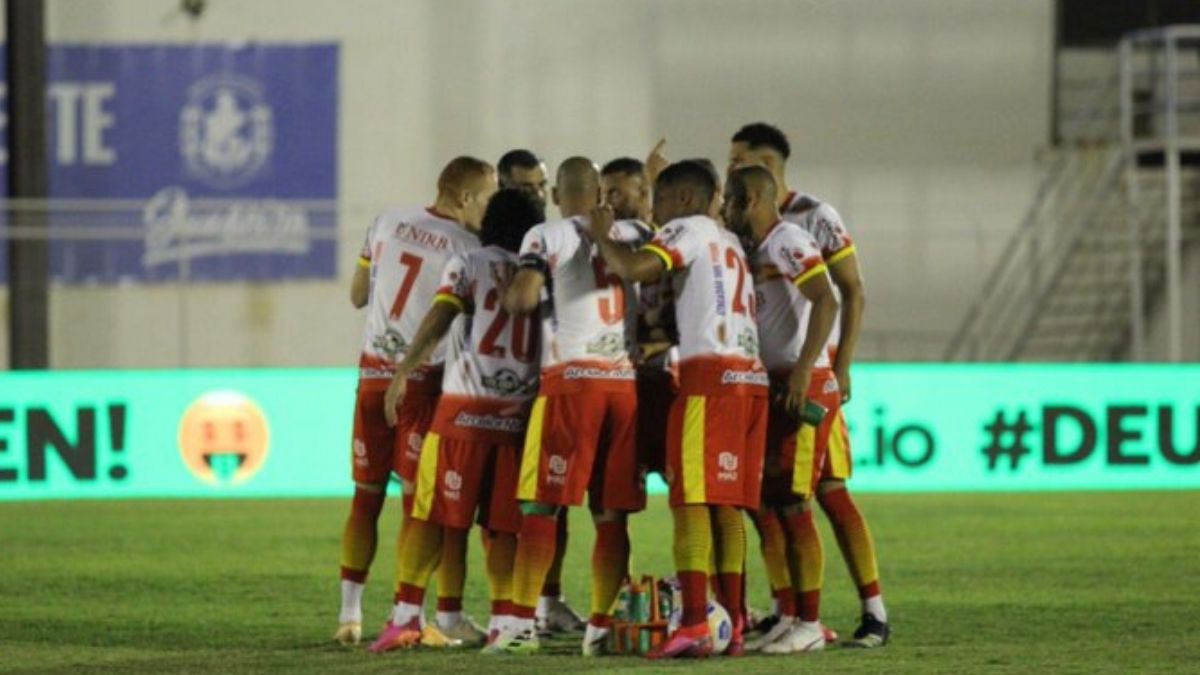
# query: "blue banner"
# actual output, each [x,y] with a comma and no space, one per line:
[227,157]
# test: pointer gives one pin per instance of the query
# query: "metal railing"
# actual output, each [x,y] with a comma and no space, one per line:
[1073,278]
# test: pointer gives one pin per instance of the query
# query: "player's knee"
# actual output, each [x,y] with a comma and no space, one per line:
[828,485]
[375,488]
[608,516]
[535,509]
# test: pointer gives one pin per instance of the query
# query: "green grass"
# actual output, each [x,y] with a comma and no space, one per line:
[983,583]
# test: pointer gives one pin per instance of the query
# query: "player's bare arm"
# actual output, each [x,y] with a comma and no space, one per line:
[847,277]
[434,327]
[360,285]
[523,292]
[656,161]
[819,293]
[625,263]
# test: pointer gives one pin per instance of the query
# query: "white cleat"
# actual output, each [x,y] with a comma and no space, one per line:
[595,641]
[801,637]
[349,633]
[466,631]
[556,616]
[777,631]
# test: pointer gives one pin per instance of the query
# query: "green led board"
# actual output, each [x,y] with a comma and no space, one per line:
[914,428]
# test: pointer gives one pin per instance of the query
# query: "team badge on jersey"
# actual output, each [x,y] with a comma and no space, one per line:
[507,383]
[609,344]
[391,344]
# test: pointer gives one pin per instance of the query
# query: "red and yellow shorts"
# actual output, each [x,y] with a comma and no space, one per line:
[583,440]
[378,449]
[798,457]
[457,478]
[715,449]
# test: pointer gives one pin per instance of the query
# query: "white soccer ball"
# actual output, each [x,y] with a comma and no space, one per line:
[720,625]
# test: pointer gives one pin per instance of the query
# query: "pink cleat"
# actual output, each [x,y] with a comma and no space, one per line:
[397,637]
[686,641]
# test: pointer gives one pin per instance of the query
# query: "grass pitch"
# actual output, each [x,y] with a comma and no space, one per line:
[1079,583]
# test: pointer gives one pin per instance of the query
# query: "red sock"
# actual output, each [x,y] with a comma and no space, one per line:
[695,598]
[786,598]
[730,585]
[413,595]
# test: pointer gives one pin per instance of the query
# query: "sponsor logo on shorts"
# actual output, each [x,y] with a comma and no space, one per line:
[744,377]
[453,482]
[558,470]
[588,373]
[831,386]
[360,453]
[729,467]
[490,422]
[414,445]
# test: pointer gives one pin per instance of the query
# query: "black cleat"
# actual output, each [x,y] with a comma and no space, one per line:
[871,633]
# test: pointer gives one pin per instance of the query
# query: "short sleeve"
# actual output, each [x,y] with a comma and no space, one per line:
[676,244]
[364,255]
[795,253]
[455,285]
[831,234]
[632,232]
[535,253]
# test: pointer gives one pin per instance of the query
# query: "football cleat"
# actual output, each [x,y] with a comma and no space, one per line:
[801,637]
[349,633]
[595,640]
[831,635]
[871,633]
[432,636]
[511,640]
[773,631]
[397,637]
[737,639]
[466,631]
[686,641]
[557,617]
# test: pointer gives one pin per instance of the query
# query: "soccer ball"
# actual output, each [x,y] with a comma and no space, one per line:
[720,625]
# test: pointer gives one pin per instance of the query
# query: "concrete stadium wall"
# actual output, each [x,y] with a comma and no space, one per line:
[918,120]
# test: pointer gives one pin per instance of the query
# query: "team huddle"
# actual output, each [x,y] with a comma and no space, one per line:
[672,320]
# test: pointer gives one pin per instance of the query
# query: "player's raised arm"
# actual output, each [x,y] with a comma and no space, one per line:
[848,278]
[524,291]
[626,263]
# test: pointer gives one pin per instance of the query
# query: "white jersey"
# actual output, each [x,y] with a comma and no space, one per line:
[492,359]
[590,315]
[406,250]
[785,259]
[825,225]
[714,306]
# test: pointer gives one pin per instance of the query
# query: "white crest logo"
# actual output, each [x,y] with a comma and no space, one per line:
[728,461]
[360,448]
[558,465]
[226,132]
[453,480]
[414,442]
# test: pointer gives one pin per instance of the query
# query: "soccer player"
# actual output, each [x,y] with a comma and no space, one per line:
[470,454]
[397,275]
[523,170]
[717,426]
[796,311]
[627,193]
[764,145]
[581,429]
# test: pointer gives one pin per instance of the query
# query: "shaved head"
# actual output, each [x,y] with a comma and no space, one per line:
[577,174]
[464,188]
[577,186]
[752,180]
